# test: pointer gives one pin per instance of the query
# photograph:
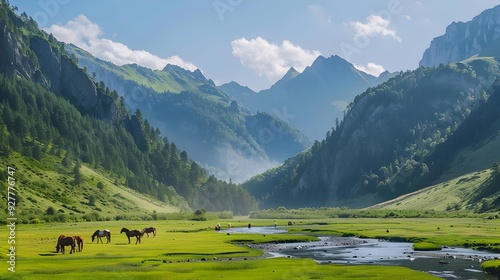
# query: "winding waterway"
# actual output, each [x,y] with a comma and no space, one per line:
[449,263]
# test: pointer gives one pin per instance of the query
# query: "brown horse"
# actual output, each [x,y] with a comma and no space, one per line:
[102,233]
[148,230]
[79,243]
[132,233]
[63,241]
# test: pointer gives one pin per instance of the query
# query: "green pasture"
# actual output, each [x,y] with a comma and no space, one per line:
[193,250]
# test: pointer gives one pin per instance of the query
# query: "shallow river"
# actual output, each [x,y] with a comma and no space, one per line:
[449,263]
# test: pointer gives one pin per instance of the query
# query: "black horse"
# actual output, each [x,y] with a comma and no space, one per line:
[132,233]
[102,233]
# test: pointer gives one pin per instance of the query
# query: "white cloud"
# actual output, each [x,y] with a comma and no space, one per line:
[371,68]
[89,36]
[375,26]
[269,59]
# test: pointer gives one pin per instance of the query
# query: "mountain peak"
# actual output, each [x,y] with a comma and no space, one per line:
[196,75]
[172,67]
[324,63]
[290,75]
[234,89]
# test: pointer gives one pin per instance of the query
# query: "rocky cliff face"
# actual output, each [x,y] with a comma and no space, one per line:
[66,78]
[11,60]
[463,40]
[33,57]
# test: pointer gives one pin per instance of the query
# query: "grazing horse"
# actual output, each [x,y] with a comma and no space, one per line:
[217,227]
[148,230]
[132,233]
[79,243]
[102,233]
[63,241]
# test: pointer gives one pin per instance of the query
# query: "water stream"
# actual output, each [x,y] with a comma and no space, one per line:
[449,263]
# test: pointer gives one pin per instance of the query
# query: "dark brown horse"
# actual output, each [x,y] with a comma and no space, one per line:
[78,243]
[148,230]
[63,241]
[102,233]
[132,233]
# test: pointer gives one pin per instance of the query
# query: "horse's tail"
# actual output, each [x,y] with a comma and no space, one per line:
[109,236]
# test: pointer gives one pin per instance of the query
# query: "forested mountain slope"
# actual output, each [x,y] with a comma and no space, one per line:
[466,166]
[382,147]
[55,115]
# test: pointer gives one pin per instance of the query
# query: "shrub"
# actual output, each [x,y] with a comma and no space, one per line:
[50,211]
[225,215]
[426,246]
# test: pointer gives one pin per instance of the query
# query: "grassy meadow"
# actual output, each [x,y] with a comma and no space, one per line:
[177,251]
[185,249]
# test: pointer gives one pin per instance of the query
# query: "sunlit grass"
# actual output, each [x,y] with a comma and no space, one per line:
[193,250]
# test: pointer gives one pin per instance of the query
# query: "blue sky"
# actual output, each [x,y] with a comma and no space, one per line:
[252,42]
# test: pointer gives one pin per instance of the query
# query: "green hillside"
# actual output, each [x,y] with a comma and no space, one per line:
[65,133]
[455,194]
[171,79]
[46,191]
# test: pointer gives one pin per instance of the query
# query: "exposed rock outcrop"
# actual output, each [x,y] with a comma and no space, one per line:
[463,40]
[36,59]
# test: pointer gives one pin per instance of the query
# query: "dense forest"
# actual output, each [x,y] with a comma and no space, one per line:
[383,147]
[37,121]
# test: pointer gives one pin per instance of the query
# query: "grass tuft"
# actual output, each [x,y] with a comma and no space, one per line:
[426,246]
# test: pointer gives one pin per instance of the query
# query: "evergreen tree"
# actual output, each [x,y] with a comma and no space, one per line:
[78,179]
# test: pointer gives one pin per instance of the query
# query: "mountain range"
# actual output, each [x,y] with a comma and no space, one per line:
[399,136]
[190,110]
[90,135]
[319,95]
[79,151]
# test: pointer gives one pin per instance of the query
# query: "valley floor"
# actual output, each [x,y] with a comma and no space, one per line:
[193,250]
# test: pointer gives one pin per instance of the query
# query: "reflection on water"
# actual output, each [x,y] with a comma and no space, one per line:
[449,263]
